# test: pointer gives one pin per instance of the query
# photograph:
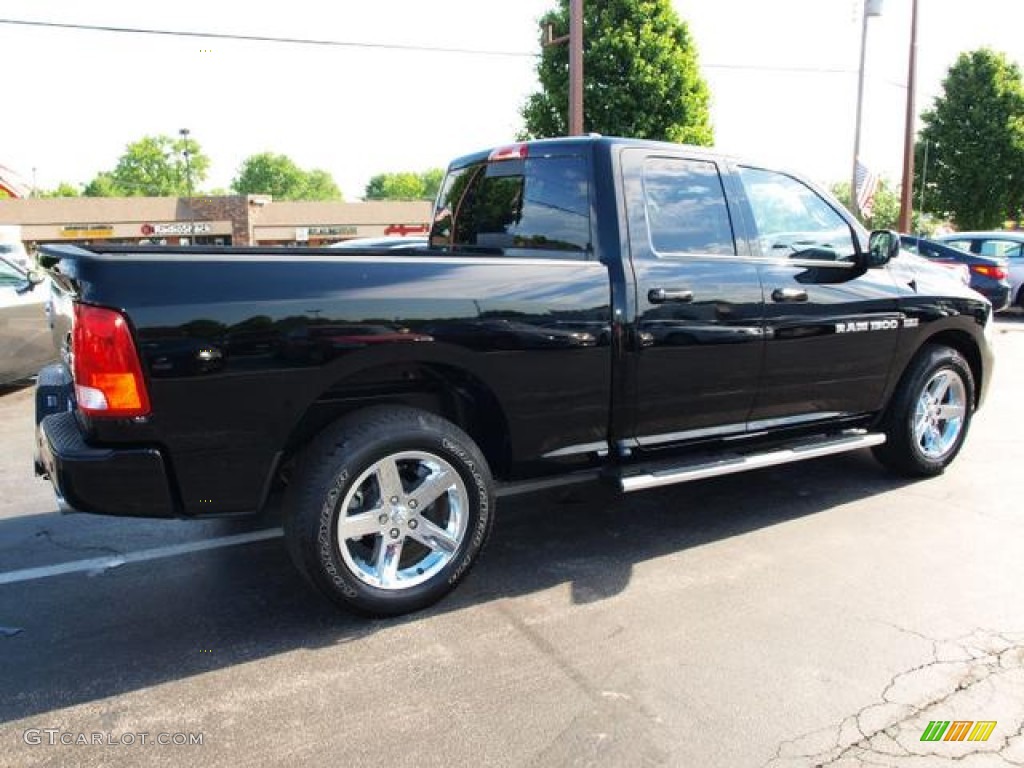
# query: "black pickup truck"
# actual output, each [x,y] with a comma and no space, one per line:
[641,312]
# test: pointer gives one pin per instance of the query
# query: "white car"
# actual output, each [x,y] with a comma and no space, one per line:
[25,343]
[1001,244]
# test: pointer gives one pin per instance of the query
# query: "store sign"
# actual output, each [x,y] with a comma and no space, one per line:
[87,230]
[177,228]
[403,230]
[332,231]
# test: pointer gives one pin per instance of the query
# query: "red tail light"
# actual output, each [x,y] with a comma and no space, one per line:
[996,273]
[511,152]
[107,372]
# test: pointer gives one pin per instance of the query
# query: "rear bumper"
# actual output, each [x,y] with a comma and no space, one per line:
[109,481]
[998,294]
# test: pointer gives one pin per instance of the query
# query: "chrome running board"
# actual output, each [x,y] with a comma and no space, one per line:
[727,465]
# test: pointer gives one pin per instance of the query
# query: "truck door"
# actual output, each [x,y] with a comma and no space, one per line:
[831,327]
[699,329]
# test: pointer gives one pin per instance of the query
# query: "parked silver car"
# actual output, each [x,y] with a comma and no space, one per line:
[25,343]
[392,242]
[1001,244]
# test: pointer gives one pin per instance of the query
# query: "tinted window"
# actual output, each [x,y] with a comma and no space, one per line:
[517,207]
[686,208]
[1000,249]
[963,245]
[932,251]
[793,220]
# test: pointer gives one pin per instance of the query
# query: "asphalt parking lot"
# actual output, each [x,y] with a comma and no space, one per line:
[822,613]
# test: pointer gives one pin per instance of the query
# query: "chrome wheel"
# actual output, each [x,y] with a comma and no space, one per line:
[402,520]
[939,414]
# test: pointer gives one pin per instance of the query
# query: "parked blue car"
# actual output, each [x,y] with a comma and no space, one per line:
[989,276]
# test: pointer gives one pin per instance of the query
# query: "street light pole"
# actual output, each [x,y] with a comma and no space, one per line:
[907,189]
[188,167]
[871,8]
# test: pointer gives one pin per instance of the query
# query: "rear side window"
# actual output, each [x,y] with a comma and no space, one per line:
[1001,249]
[537,207]
[686,208]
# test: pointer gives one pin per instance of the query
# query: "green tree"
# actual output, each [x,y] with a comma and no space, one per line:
[640,75]
[432,182]
[885,209]
[278,175]
[64,189]
[406,185]
[102,185]
[885,212]
[319,185]
[975,143]
[153,166]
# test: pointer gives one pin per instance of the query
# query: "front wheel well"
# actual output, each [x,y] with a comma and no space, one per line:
[962,342]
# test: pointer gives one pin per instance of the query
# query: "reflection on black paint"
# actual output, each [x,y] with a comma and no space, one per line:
[207,347]
[502,334]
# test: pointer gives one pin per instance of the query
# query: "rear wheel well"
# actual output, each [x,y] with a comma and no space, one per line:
[451,393]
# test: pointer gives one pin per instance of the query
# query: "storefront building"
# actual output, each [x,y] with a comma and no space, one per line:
[230,220]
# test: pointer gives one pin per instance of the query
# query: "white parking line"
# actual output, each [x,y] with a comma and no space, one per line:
[98,564]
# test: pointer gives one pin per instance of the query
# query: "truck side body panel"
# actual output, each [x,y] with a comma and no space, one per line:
[238,349]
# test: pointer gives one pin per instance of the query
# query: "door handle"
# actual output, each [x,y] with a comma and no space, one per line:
[789,294]
[662,296]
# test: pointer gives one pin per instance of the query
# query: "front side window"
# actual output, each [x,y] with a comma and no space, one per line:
[963,245]
[532,207]
[686,207]
[794,221]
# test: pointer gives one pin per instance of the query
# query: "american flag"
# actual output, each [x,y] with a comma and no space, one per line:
[867,185]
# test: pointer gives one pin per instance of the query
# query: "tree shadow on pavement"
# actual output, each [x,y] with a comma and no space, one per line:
[79,638]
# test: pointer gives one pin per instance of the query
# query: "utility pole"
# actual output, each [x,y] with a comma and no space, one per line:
[575,67]
[871,8]
[575,41]
[907,189]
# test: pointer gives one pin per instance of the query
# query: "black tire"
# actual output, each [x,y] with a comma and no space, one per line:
[390,554]
[930,413]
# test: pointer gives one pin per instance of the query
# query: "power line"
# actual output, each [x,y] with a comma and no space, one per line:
[770,68]
[797,70]
[387,46]
[263,38]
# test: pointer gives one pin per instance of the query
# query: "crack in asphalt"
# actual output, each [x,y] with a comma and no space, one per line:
[48,536]
[970,661]
[612,729]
